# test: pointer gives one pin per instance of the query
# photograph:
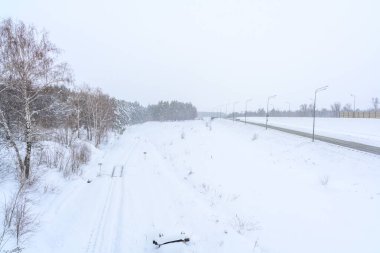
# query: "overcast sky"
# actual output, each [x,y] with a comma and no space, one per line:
[213,52]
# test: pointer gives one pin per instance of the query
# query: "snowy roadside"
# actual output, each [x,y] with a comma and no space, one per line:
[364,131]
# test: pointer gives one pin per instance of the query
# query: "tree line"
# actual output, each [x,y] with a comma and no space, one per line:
[307,110]
[39,100]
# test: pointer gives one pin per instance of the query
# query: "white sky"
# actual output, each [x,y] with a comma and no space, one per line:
[213,52]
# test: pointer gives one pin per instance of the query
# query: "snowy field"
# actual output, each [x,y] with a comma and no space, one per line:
[228,187]
[366,131]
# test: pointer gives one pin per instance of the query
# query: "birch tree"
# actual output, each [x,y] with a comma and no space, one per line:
[28,65]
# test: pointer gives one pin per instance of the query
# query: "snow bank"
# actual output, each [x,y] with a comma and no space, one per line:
[366,131]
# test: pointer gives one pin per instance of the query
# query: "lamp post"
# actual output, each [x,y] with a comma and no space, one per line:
[315,102]
[233,111]
[266,121]
[245,113]
[354,104]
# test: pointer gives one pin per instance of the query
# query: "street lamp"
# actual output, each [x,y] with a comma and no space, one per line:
[245,113]
[233,111]
[266,121]
[354,103]
[315,102]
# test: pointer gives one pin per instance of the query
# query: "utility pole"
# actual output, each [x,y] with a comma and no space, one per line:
[315,103]
[354,104]
[266,121]
[245,113]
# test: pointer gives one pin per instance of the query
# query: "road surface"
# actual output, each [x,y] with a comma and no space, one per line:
[348,144]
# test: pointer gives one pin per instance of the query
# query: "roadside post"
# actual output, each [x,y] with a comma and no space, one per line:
[100,168]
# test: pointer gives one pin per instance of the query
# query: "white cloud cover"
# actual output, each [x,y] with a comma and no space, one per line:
[213,52]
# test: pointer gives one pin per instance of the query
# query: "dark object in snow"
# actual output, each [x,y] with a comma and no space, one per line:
[88,181]
[181,240]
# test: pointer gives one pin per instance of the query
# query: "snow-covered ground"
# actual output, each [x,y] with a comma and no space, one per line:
[366,131]
[228,187]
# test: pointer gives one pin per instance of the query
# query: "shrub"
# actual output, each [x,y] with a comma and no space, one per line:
[67,160]
[79,154]
[17,220]
[324,180]
[241,226]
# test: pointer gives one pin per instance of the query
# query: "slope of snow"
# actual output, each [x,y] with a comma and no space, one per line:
[228,187]
[366,131]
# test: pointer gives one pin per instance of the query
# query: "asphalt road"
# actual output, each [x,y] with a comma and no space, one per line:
[348,144]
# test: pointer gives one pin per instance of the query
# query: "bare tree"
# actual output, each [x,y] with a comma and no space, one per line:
[101,110]
[23,222]
[347,108]
[17,219]
[336,108]
[28,65]
[303,109]
[77,103]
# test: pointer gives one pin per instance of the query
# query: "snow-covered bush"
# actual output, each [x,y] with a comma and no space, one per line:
[17,221]
[324,180]
[7,166]
[68,160]
[63,136]
[50,188]
[79,155]
[51,156]
[23,221]
[241,225]
[205,188]
[208,123]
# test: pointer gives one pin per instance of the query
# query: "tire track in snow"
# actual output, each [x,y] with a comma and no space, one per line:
[105,236]
[107,240]
[100,223]
[117,237]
